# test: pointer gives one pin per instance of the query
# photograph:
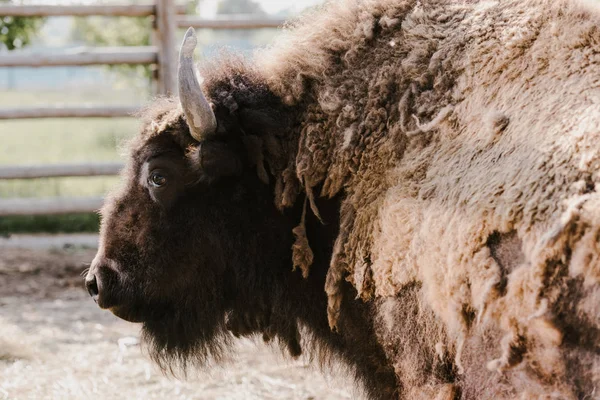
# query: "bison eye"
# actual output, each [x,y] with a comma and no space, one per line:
[157,179]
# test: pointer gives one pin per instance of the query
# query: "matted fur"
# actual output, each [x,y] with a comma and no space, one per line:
[463,139]
[445,123]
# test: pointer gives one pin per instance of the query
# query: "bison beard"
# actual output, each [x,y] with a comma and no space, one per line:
[429,169]
[190,337]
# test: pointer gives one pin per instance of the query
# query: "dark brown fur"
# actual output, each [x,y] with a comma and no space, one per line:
[457,146]
[214,259]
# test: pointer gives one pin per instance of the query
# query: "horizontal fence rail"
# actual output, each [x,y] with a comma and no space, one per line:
[185,22]
[113,10]
[68,112]
[59,241]
[167,17]
[50,206]
[59,170]
[101,55]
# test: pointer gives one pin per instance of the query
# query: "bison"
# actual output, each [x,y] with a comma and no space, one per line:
[408,186]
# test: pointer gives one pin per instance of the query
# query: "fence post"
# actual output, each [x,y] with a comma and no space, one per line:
[166,27]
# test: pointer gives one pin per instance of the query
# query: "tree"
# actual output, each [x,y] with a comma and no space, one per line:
[17,32]
[117,31]
[239,7]
[120,31]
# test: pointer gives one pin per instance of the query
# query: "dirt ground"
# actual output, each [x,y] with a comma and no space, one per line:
[55,343]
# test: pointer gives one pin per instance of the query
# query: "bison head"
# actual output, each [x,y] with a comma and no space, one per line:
[192,221]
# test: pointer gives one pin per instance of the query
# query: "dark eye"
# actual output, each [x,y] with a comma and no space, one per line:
[157,179]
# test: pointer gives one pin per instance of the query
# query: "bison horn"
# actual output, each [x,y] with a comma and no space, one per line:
[198,111]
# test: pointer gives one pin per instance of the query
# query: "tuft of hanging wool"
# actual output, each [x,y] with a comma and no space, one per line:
[302,254]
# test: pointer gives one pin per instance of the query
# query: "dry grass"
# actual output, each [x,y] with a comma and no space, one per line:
[55,343]
[14,344]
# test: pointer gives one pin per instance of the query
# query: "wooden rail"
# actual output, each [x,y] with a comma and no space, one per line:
[185,22]
[68,112]
[59,170]
[165,23]
[50,206]
[102,55]
[113,10]
[166,29]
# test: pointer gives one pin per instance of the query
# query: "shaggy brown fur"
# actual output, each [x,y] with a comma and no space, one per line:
[459,143]
[447,124]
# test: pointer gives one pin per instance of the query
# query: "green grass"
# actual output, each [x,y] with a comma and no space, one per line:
[46,141]
[69,223]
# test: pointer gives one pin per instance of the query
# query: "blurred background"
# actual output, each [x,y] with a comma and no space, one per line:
[88,141]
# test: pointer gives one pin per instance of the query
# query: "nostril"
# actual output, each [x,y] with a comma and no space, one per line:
[92,286]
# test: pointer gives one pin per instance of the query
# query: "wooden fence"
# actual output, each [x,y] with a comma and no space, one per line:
[167,18]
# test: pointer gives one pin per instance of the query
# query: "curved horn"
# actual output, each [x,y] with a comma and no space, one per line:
[198,112]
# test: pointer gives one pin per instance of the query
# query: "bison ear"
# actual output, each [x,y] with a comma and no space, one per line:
[254,150]
[263,122]
[214,159]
